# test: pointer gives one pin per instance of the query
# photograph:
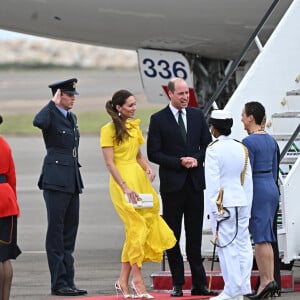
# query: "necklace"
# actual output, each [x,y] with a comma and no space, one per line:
[258,130]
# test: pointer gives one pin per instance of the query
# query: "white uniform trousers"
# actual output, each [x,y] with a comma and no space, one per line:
[236,259]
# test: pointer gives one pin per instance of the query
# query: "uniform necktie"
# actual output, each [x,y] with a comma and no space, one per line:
[181,125]
[69,117]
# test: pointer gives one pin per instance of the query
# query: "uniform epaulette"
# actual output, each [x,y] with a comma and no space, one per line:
[238,141]
[210,144]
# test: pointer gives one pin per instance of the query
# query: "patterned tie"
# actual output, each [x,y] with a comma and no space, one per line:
[181,125]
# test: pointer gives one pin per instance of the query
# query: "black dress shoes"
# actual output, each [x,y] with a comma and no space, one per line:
[202,291]
[65,291]
[177,291]
[80,291]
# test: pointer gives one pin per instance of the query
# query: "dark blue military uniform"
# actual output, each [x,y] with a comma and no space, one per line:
[61,183]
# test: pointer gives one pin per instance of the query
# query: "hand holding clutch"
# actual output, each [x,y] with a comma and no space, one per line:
[143,201]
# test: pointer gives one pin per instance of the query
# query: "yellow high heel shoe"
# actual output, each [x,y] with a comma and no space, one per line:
[136,294]
[119,290]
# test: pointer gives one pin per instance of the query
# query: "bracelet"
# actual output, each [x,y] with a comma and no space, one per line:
[123,183]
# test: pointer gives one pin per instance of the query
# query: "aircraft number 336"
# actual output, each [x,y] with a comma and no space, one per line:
[164,68]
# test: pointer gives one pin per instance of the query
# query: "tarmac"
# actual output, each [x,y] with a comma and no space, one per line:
[101,234]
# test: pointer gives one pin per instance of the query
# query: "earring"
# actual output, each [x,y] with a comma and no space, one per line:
[119,114]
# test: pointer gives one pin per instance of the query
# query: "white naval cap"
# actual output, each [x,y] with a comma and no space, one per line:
[221,114]
[221,119]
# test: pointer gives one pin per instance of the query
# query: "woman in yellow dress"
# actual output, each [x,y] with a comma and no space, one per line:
[146,233]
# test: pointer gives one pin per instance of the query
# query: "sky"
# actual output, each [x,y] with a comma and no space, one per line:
[9,35]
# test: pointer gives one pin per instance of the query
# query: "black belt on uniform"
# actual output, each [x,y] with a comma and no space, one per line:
[3,178]
[262,172]
[72,152]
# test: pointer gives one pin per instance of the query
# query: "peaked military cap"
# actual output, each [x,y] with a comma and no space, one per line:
[67,86]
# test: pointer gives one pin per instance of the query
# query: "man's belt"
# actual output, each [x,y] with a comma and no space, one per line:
[3,178]
[72,152]
[262,172]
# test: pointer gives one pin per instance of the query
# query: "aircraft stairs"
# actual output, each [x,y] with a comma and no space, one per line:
[283,122]
[274,80]
[268,79]
[286,131]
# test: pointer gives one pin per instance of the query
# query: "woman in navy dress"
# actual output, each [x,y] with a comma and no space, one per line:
[263,158]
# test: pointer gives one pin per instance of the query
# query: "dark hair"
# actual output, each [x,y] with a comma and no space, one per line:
[1,119]
[223,126]
[118,98]
[223,131]
[257,110]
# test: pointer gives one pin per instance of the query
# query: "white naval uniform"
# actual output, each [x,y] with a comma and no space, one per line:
[224,163]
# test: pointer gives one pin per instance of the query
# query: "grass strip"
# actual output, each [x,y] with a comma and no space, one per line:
[89,122]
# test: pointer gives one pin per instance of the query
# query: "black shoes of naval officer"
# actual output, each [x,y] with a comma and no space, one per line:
[69,291]
[195,291]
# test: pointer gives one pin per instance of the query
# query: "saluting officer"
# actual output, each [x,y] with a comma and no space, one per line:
[61,183]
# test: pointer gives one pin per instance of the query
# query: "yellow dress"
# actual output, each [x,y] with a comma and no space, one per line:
[146,233]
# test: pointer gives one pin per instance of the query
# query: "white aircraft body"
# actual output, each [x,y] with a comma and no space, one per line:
[207,33]
[209,28]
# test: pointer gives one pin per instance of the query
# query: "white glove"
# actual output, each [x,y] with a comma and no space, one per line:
[219,217]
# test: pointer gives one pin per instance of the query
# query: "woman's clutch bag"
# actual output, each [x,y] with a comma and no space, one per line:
[144,201]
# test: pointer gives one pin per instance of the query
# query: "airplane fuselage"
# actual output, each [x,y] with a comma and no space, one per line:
[210,28]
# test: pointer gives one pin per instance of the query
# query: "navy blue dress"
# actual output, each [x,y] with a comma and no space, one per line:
[263,158]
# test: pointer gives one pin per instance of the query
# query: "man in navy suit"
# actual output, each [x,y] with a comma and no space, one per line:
[177,139]
[61,183]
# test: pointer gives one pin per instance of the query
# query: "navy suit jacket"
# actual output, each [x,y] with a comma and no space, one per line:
[165,146]
[60,171]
